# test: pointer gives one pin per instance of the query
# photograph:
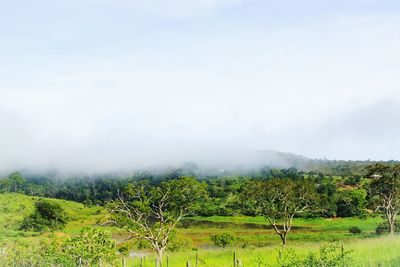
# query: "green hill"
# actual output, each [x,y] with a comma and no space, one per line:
[13,208]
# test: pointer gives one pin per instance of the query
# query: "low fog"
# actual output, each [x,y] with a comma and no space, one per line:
[131,86]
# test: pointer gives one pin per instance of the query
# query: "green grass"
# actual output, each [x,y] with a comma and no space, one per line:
[367,252]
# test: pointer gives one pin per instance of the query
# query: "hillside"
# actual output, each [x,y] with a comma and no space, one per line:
[15,206]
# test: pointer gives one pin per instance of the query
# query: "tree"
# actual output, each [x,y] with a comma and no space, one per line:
[151,213]
[279,200]
[385,191]
[16,180]
[351,202]
[5,184]
[47,215]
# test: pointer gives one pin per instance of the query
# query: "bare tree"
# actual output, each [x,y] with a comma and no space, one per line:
[280,200]
[151,213]
[385,191]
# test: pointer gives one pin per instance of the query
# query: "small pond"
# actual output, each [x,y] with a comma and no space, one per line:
[189,223]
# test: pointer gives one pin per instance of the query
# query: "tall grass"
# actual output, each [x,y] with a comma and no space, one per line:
[372,252]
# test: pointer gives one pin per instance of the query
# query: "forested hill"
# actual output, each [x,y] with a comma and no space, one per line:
[324,166]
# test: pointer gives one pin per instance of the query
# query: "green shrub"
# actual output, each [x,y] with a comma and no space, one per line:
[47,215]
[222,240]
[355,230]
[327,256]
[179,243]
[92,246]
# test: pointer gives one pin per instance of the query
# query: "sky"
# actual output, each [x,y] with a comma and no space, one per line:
[118,84]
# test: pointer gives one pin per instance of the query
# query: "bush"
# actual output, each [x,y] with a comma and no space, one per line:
[383,228]
[327,256]
[179,242]
[355,230]
[47,215]
[222,240]
[92,246]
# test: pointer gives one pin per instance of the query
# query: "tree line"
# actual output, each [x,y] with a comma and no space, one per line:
[339,196]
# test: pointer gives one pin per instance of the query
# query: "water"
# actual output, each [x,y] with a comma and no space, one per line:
[189,223]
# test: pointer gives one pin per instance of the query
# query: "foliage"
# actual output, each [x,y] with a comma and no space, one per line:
[385,191]
[224,192]
[179,242]
[355,230]
[279,200]
[47,215]
[222,240]
[351,203]
[332,255]
[92,247]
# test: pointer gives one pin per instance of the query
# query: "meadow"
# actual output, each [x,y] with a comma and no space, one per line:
[363,252]
[256,243]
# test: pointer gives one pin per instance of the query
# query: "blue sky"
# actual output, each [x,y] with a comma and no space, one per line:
[127,82]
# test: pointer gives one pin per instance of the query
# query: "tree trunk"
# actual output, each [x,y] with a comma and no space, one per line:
[283,238]
[391,222]
[284,241]
[159,258]
[391,226]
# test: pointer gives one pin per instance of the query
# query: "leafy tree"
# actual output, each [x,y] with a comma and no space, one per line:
[279,200]
[151,212]
[47,215]
[16,180]
[385,191]
[351,203]
[327,190]
[5,184]
[222,240]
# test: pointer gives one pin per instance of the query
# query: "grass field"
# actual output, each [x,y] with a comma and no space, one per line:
[367,252]
[255,231]
[257,245]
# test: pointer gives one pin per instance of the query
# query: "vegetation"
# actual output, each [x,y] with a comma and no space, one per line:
[279,200]
[92,247]
[151,213]
[243,213]
[222,240]
[47,215]
[385,191]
